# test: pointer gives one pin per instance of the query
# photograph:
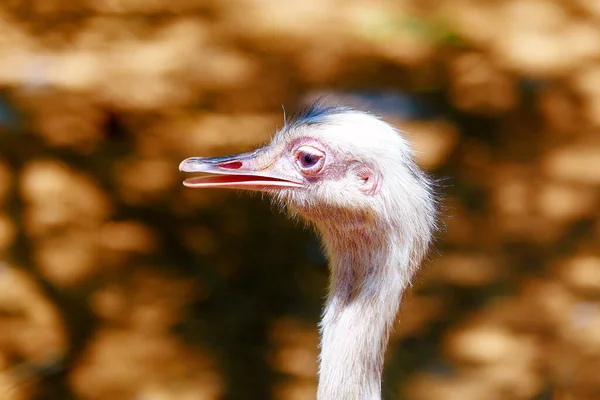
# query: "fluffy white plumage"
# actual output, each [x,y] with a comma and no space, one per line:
[351,176]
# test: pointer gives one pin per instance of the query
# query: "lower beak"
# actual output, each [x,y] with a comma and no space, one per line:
[241,171]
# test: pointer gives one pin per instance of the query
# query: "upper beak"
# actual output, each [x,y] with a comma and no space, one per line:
[256,170]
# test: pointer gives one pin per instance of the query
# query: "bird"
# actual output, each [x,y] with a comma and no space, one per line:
[353,178]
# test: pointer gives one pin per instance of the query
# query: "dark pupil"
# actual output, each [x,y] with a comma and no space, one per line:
[308,159]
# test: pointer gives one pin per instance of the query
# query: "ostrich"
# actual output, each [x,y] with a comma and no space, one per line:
[352,177]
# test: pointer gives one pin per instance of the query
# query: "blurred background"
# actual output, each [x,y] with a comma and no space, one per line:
[118,283]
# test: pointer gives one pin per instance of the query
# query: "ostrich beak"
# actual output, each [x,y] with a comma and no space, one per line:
[257,170]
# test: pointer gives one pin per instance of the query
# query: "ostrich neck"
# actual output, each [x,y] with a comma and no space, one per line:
[369,271]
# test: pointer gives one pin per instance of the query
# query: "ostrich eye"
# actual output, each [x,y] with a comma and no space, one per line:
[310,159]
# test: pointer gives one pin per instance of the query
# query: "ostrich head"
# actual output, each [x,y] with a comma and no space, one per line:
[329,165]
[352,176]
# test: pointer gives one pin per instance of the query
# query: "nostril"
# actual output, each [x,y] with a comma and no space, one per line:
[231,165]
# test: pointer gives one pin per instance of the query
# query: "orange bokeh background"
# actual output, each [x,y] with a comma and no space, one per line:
[118,283]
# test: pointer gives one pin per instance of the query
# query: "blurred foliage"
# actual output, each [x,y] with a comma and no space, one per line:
[118,283]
